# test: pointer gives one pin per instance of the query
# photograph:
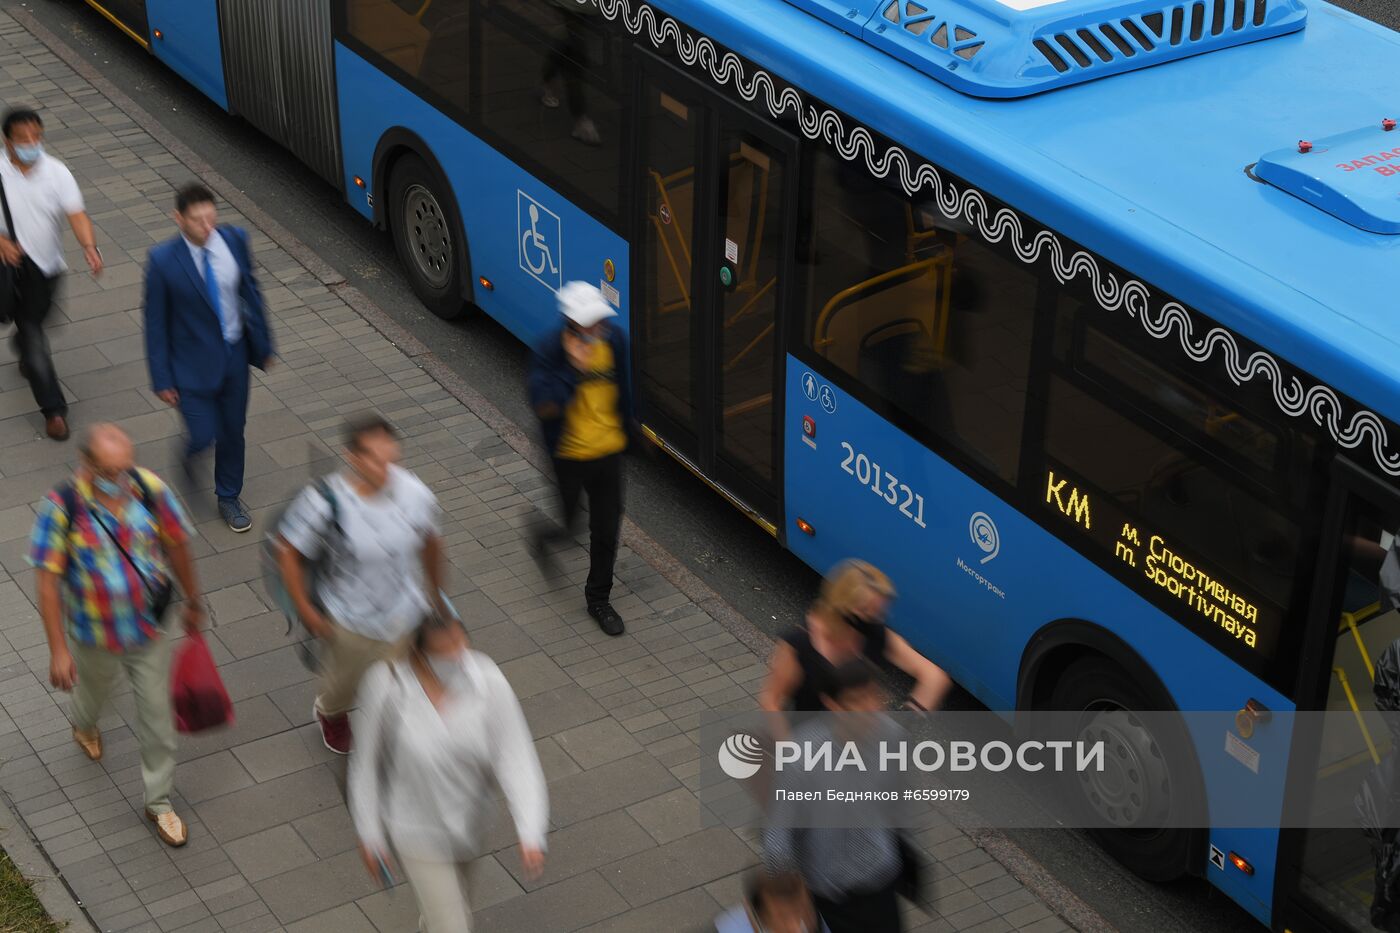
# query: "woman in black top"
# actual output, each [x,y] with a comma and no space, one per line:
[848,621]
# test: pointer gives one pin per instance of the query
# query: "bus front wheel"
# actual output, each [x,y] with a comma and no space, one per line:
[1145,804]
[424,232]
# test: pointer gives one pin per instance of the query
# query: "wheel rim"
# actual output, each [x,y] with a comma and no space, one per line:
[427,234]
[1134,789]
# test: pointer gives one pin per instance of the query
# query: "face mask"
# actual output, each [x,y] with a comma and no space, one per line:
[29,154]
[448,669]
[108,487]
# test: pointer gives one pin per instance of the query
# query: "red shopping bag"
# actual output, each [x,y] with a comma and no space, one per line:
[200,700]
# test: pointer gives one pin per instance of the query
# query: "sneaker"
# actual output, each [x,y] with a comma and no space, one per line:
[586,131]
[170,828]
[607,618]
[335,732]
[235,515]
[548,99]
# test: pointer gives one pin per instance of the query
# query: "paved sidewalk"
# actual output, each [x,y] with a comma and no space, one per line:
[271,846]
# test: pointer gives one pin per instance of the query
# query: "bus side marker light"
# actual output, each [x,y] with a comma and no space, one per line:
[805,527]
[1304,146]
[486,283]
[1387,124]
[1241,863]
[159,34]
[359,182]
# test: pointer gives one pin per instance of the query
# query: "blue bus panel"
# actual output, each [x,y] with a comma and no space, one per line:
[977,579]
[185,35]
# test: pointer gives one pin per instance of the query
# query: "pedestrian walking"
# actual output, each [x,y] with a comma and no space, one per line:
[566,65]
[376,531]
[773,903]
[205,324]
[104,547]
[854,872]
[441,729]
[848,620]
[39,194]
[580,391]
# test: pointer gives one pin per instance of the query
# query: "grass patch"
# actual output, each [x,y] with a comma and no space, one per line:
[20,910]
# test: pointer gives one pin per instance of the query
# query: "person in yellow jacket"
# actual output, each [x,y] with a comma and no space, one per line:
[580,391]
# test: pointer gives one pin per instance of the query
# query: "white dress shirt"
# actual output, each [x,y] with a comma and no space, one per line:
[40,202]
[227,276]
[421,776]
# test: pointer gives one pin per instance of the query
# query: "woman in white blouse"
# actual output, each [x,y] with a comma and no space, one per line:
[436,729]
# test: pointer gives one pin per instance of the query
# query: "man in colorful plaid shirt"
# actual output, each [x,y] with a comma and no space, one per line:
[104,547]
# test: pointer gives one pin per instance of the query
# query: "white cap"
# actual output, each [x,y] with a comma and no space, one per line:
[584,304]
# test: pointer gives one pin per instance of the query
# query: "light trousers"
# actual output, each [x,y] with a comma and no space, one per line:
[441,891]
[148,669]
[344,659]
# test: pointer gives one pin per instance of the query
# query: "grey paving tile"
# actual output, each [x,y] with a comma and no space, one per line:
[309,890]
[569,905]
[270,852]
[606,788]
[346,918]
[598,742]
[685,911]
[264,806]
[669,816]
[677,866]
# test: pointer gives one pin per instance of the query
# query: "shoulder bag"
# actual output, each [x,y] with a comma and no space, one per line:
[9,275]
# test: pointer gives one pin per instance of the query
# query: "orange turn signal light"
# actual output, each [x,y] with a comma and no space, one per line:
[805,527]
[1241,863]
[359,182]
[159,34]
[486,283]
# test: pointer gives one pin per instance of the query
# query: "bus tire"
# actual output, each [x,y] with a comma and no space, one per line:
[1095,684]
[425,233]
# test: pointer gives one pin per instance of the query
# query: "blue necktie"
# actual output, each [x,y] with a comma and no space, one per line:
[211,285]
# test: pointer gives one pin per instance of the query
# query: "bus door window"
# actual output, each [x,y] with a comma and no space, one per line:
[1351,867]
[929,320]
[752,221]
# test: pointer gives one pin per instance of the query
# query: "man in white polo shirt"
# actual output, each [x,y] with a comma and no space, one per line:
[40,194]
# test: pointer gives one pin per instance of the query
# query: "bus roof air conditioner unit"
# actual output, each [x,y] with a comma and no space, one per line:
[1015,48]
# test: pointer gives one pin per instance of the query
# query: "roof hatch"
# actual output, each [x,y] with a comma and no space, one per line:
[1014,48]
[1354,176]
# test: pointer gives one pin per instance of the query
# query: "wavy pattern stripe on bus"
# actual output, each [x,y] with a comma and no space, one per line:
[1320,402]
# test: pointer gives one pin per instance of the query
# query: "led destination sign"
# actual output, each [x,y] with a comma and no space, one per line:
[1184,583]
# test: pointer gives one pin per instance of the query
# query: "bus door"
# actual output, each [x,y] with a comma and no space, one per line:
[713,209]
[1345,770]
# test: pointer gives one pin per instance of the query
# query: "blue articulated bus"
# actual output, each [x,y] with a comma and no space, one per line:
[1077,316]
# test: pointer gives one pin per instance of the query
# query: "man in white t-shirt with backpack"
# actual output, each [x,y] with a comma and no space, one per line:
[374,534]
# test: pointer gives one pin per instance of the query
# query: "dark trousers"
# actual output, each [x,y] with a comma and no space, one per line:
[601,479]
[36,293]
[216,417]
[876,912]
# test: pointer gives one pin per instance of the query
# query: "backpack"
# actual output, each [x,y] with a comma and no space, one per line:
[308,646]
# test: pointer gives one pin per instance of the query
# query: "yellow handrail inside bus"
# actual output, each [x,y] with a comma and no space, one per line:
[1352,621]
[422,9]
[112,18]
[848,297]
[1356,710]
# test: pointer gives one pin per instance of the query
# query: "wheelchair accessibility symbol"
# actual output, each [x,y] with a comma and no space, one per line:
[541,241]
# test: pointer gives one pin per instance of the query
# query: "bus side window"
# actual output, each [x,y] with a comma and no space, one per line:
[932,322]
[551,73]
[426,39]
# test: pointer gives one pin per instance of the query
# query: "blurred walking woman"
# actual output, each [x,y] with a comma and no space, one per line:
[437,728]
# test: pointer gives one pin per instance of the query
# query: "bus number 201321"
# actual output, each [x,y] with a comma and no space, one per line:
[885,485]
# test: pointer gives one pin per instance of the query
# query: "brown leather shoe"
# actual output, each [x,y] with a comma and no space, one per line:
[89,742]
[170,828]
[56,427]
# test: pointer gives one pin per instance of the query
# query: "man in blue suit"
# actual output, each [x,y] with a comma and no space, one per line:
[205,323]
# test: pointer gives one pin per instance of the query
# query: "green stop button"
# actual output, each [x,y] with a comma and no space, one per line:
[726,276]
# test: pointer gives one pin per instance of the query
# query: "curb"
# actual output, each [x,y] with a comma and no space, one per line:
[48,883]
[1067,905]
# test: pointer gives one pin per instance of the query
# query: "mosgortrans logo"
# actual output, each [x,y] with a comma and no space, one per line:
[741,756]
